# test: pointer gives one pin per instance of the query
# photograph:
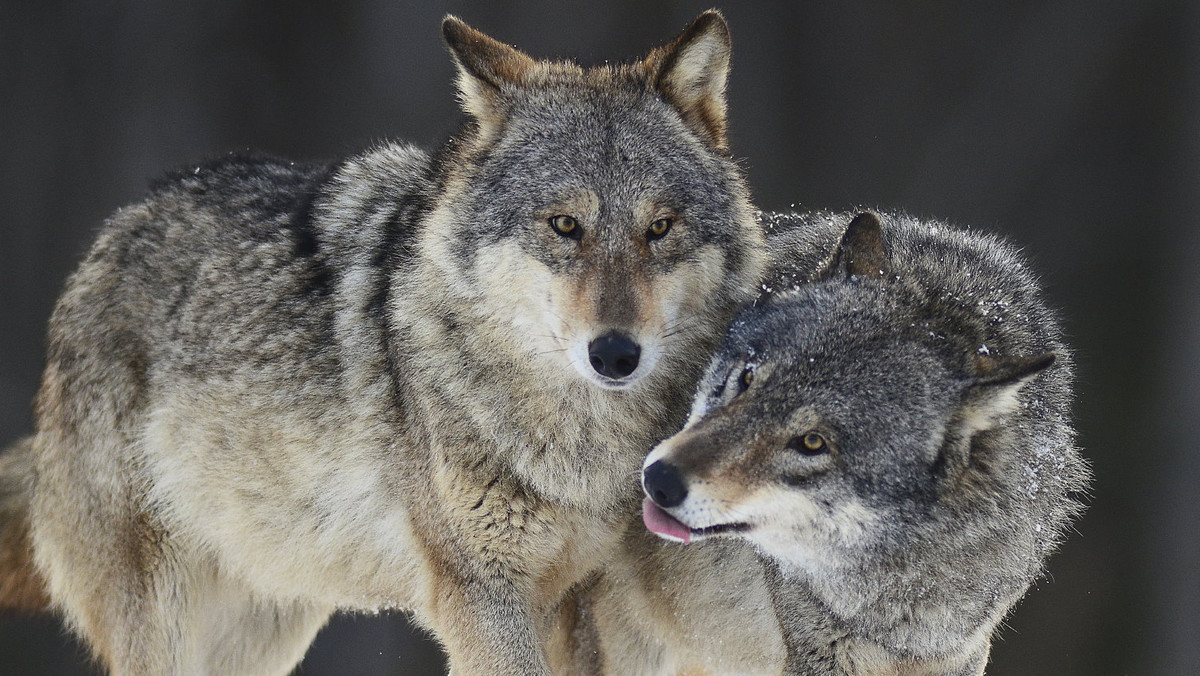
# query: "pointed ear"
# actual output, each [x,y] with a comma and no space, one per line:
[859,254]
[691,72]
[990,371]
[992,390]
[486,67]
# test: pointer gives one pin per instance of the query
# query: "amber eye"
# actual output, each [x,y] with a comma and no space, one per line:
[746,378]
[565,225]
[659,228]
[810,443]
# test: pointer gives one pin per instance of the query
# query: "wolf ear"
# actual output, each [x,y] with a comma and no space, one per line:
[859,254]
[691,71]
[992,388]
[990,396]
[486,67]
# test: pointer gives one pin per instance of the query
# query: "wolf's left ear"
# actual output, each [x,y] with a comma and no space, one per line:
[993,386]
[691,72]
[860,252]
[486,68]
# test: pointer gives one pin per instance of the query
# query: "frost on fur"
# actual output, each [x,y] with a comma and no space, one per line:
[892,428]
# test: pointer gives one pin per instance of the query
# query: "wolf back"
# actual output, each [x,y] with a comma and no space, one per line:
[276,390]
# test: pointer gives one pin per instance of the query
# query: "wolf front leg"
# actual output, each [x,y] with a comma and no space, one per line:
[488,628]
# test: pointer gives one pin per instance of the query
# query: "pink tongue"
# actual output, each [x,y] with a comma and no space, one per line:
[658,521]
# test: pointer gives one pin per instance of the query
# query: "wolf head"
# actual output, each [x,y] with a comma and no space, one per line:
[837,432]
[592,218]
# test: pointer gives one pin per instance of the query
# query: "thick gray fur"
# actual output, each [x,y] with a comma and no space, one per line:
[276,390]
[937,376]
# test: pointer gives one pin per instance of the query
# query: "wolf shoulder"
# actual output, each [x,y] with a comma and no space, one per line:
[235,257]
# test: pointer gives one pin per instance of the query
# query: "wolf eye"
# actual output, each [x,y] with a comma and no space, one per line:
[565,225]
[810,443]
[745,379]
[659,228]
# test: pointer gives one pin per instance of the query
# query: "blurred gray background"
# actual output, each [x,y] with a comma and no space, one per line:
[1071,126]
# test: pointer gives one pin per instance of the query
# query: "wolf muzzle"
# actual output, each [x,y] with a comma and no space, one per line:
[664,485]
[614,355]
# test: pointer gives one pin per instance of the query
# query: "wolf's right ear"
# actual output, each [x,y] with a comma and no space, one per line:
[691,72]
[990,396]
[486,68]
[860,252]
[993,387]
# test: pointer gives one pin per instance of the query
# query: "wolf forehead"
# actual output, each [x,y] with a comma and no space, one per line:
[838,353]
[827,328]
[625,148]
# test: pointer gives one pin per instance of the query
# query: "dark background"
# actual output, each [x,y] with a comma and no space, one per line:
[1071,126]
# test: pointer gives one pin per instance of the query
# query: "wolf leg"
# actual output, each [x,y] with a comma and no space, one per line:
[186,618]
[145,600]
[20,585]
[488,629]
[229,630]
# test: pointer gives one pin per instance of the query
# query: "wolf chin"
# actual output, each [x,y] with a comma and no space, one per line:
[274,391]
[890,425]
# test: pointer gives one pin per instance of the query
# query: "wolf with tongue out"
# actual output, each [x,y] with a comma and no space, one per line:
[660,522]
[892,430]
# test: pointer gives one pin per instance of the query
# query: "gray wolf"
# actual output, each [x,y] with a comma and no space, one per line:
[889,424]
[402,380]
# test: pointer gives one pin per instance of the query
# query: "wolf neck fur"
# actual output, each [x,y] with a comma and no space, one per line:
[890,599]
[564,437]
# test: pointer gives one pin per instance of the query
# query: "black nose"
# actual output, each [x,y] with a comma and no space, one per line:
[614,355]
[663,484]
